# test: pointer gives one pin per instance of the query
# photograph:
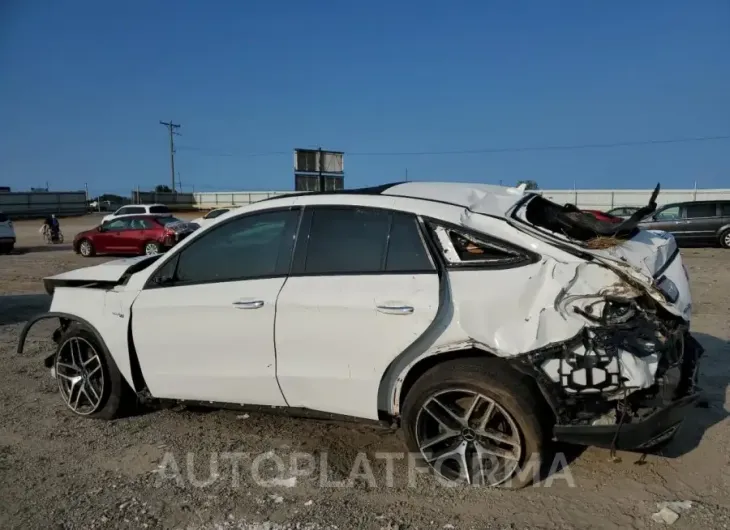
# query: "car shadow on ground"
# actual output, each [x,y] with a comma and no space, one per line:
[714,381]
[43,248]
[17,309]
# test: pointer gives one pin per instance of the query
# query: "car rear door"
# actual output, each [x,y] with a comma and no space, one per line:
[701,221]
[362,289]
[203,326]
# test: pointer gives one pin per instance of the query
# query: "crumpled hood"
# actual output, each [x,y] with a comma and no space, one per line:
[109,272]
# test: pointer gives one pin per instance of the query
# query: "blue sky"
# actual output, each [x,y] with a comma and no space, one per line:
[85,83]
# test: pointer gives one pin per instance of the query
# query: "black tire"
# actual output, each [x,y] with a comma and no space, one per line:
[116,398]
[725,239]
[149,244]
[6,248]
[83,245]
[510,390]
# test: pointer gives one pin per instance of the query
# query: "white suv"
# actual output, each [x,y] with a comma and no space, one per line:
[137,209]
[7,234]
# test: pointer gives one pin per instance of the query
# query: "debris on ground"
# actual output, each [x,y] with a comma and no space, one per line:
[669,511]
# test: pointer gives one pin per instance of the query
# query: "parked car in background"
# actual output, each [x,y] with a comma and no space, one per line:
[698,222]
[138,209]
[473,316]
[211,215]
[623,211]
[133,234]
[7,234]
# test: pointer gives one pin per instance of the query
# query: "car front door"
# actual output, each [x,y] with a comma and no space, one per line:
[362,289]
[668,219]
[111,237]
[203,326]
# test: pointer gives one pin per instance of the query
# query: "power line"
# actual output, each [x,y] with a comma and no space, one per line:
[488,150]
[171,127]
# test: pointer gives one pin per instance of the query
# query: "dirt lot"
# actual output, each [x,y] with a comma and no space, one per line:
[60,471]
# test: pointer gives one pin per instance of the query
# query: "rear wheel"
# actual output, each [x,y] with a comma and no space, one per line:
[151,248]
[473,421]
[6,248]
[86,248]
[725,239]
[89,381]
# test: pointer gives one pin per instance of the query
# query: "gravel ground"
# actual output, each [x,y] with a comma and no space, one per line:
[60,471]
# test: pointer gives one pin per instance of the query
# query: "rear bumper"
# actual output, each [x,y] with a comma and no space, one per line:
[639,432]
[645,434]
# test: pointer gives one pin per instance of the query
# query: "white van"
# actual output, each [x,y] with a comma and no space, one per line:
[7,234]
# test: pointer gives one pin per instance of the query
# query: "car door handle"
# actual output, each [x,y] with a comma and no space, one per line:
[248,304]
[395,309]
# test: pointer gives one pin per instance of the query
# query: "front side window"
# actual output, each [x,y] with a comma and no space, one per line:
[122,211]
[668,214]
[117,225]
[159,209]
[701,210]
[725,209]
[249,247]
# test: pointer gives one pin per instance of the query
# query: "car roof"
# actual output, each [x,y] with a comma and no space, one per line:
[488,199]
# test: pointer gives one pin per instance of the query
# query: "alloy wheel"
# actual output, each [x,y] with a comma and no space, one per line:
[151,249]
[85,248]
[469,438]
[80,376]
[727,240]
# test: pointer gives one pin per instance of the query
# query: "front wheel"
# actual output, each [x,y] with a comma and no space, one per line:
[86,248]
[725,239]
[89,381]
[474,421]
[6,248]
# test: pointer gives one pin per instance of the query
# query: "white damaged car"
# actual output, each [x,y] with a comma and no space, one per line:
[485,321]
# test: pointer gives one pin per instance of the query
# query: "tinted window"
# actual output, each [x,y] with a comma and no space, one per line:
[347,240]
[215,213]
[249,247]
[127,210]
[159,209]
[701,210]
[167,219]
[406,250]
[668,214]
[142,224]
[119,224]
[3,218]
[725,209]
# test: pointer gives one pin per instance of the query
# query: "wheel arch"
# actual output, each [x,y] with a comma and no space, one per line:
[722,229]
[134,378]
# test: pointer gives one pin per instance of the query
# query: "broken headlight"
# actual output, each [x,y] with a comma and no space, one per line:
[617,312]
[669,289]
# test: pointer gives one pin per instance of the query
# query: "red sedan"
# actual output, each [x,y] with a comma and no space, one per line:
[138,234]
[602,216]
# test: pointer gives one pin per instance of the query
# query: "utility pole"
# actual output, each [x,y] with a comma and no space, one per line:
[171,128]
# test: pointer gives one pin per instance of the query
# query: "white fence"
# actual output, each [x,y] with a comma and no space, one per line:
[607,199]
[587,199]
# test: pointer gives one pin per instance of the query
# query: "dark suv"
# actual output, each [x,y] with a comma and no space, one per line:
[705,222]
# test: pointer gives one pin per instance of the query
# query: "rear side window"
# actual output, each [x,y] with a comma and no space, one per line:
[701,210]
[159,209]
[725,209]
[462,248]
[361,241]
[4,218]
